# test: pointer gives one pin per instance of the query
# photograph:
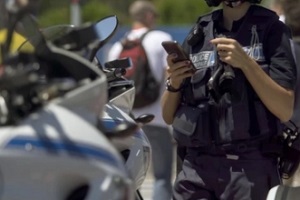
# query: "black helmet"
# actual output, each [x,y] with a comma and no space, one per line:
[214,3]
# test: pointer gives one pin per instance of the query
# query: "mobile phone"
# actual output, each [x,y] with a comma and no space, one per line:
[173,47]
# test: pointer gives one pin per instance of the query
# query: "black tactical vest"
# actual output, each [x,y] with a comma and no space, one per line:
[241,116]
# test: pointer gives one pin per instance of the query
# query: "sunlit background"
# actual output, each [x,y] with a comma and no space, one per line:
[176,16]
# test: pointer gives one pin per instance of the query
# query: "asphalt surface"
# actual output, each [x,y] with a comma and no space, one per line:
[147,187]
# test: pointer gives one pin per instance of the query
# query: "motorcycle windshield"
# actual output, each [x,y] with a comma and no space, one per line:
[37,37]
[29,28]
[12,40]
[68,35]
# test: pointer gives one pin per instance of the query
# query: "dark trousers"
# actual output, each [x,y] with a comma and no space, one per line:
[226,177]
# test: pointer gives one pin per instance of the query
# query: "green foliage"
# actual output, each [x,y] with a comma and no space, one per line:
[172,12]
[178,12]
[95,10]
[59,15]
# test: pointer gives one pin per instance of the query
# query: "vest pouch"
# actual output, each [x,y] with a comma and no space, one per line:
[199,81]
[191,126]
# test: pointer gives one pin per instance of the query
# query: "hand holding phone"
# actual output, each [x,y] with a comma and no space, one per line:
[173,47]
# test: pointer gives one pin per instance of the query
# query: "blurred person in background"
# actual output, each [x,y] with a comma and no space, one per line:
[290,190]
[291,8]
[144,16]
[277,6]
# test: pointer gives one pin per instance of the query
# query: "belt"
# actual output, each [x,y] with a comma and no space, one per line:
[229,148]
[241,147]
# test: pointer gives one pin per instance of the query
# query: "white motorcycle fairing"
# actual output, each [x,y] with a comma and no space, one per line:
[136,149]
[57,151]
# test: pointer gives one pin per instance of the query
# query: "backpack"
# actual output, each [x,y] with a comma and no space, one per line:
[147,88]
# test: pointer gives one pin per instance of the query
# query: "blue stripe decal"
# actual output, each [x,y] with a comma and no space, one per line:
[59,146]
[110,124]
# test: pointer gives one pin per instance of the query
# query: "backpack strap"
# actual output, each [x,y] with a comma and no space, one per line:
[148,66]
[127,43]
[143,36]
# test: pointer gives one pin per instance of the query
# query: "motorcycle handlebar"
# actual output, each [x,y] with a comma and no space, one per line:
[119,63]
[115,74]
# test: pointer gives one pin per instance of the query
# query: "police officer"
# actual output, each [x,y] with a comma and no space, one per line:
[228,112]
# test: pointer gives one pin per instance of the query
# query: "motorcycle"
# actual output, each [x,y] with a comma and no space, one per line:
[135,148]
[51,144]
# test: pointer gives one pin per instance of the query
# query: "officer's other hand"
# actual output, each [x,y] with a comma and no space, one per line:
[231,52]
[178,71]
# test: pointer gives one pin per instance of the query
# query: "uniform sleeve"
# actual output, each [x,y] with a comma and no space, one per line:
[279,54]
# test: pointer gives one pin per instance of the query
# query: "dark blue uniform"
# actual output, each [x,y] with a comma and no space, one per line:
[229,153]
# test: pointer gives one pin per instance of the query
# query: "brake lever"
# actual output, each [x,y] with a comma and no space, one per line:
[144,119]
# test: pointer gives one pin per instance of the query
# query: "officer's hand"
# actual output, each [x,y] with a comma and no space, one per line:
[231,52]
[178,71]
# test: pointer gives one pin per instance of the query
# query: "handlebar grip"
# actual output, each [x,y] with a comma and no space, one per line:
[115,74]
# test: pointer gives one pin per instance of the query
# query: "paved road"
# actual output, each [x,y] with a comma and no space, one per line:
[147,187]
